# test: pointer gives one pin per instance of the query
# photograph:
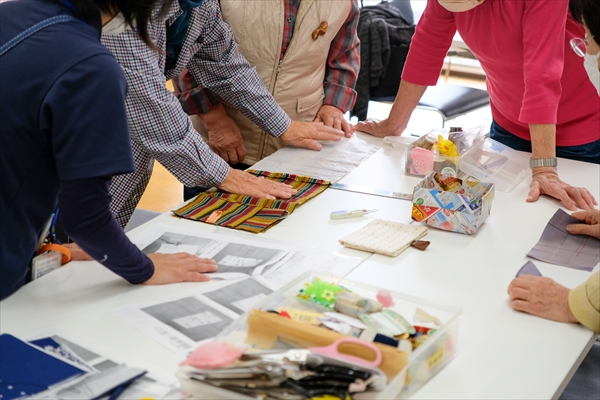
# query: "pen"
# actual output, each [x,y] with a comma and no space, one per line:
[341,214]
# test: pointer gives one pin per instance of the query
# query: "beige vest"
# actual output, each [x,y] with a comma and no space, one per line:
[296,81]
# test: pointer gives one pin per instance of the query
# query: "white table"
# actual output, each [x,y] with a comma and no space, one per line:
[502,353]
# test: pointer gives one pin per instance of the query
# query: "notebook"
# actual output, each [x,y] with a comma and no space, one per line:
[384,237]
[26,370]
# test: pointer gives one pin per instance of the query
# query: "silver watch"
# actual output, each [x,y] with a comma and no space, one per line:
[543,162]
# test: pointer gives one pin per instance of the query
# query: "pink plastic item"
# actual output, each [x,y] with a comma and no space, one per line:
[385,298]
[332,351]
[214,355]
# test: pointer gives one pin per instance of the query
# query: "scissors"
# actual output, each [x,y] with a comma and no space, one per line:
[301,356]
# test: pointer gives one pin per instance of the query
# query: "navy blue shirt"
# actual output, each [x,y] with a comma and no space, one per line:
[62,119]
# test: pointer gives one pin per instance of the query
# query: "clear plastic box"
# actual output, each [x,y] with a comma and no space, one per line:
[482,158]
[491,161]
[423,363]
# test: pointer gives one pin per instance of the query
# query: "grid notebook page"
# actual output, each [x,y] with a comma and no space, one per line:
[384,237]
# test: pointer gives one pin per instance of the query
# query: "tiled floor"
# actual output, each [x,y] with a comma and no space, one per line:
[165,192]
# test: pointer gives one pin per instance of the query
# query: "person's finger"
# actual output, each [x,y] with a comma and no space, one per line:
[583,229]
[222,153]
[564,197]
[232,155]
[327,119]
[241,152]
[348,128]
[518,293]
[576,195]
[588,198]
[534,191]
[323,132]
[191,276]
[368,127]
[337,122]
[521,305]
[310,144]
[318,119]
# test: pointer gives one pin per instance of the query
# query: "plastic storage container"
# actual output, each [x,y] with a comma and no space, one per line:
[491,161]
[423,363]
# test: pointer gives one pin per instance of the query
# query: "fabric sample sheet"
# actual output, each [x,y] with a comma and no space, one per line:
[249,213]
[557,246]
[384,237]
[529,269]
[332,163]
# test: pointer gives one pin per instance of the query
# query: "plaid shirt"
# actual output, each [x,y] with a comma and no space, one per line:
[160,129]
[343,63]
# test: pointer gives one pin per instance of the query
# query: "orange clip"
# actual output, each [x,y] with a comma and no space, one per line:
[214,217]
[321,30]
[57,247]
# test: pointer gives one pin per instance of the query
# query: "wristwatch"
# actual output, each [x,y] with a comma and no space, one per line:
[543,162]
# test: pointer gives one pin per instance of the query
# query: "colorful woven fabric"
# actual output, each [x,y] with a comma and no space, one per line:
[252,213]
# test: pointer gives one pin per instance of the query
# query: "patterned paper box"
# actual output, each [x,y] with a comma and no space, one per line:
[451,204]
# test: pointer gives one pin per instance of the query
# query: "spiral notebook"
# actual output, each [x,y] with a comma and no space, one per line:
[384,237]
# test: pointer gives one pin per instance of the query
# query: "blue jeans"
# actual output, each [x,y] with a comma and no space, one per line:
[589,152]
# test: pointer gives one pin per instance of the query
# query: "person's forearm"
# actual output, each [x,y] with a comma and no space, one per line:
[407,99]
[87,219]
[543,144]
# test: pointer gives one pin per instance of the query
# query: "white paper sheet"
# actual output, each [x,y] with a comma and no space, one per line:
[182,321]
[327,263]
[335,159]
[236,257]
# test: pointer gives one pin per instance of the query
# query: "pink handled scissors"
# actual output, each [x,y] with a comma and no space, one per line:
[331,351]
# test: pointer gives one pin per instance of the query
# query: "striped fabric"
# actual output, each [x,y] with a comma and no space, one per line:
[252,213]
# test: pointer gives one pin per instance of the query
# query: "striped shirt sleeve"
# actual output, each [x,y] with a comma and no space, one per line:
[343,64]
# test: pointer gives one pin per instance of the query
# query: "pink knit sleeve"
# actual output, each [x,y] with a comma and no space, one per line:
[429,45]
[543,52]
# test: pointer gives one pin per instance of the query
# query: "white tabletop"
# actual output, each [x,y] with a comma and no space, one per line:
[502,353]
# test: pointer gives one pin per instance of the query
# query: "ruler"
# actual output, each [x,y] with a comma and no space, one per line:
[374,192]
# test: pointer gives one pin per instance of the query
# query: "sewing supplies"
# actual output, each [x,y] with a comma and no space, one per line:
[353,305]
[214,355]
[342,214]
[422,316]
[320,293]
[388,238]
[385,298]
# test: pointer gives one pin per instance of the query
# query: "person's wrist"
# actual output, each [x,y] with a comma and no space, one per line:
[544,170]
[213,117]
[568,313]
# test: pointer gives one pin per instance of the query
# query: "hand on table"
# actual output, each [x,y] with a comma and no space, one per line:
[77,253]
[306,134]
[240,182]
[224,136]
[380,128]
[546,181]
[542,297]
[334,117]
[179,267]
[590,225]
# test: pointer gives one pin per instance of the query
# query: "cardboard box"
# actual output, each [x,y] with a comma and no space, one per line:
[451,204]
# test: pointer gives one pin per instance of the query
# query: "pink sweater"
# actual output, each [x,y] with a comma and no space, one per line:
[533,76]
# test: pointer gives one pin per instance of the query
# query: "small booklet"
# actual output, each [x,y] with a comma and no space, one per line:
[384,237]
[26,370]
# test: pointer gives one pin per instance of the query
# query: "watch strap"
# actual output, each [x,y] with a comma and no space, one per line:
[542,162]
